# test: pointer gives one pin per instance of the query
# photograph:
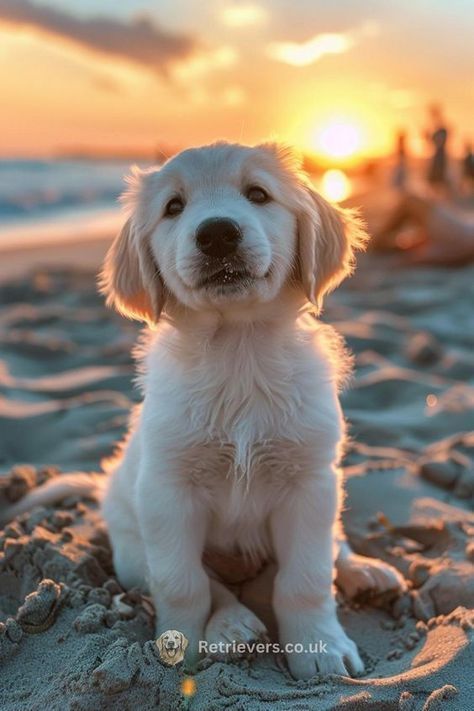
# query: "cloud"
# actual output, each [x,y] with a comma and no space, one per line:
[140,41]
[301,54]
[243,15]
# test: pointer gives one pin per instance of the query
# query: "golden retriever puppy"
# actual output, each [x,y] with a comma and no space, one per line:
[237,442]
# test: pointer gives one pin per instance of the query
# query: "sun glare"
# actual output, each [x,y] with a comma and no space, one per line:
[338,140]
[335,185]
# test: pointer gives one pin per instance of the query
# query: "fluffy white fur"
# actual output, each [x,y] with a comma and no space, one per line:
[237,442]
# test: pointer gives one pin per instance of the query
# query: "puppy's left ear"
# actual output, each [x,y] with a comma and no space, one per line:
[328,236]
[184,642]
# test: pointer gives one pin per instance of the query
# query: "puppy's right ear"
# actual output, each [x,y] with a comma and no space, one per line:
[130,278]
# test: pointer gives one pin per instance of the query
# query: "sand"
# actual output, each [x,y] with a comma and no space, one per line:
[88,253]
[70,638]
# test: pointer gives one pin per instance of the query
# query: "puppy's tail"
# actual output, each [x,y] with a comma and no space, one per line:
[90,486]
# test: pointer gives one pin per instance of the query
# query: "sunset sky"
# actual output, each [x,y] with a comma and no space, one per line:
[334,78]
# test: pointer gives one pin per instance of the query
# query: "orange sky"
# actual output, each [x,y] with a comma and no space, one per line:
[246,72]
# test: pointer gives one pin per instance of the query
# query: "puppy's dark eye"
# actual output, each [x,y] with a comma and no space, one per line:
[257,195]
[174,207]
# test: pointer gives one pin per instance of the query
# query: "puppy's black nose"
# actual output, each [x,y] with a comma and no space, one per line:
[218,237]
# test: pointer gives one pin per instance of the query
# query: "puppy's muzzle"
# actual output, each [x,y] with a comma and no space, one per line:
[218,237]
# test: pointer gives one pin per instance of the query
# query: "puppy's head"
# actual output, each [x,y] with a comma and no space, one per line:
[225,225]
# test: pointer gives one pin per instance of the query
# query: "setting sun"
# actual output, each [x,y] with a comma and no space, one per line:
[339,140]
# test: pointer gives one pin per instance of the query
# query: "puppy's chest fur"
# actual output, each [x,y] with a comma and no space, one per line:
[243,393]
[246,385]
[239,502]
[251,406]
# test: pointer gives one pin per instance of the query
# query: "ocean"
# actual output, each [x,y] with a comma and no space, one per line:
[45,200]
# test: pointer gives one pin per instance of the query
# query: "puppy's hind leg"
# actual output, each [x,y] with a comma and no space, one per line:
[231,621]
[129,559]
[356,574]
[127,545]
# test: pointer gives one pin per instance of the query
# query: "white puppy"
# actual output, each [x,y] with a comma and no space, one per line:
[237,442]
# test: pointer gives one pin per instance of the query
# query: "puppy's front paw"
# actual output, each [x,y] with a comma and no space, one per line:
[326,649]
[233,623]
[358,574]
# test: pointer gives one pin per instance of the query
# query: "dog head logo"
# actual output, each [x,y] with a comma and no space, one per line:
[171,647]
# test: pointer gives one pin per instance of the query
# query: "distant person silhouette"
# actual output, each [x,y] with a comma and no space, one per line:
[399,177]
[437,170]
[468,167]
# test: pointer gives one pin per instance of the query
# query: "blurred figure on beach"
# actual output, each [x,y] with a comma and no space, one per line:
[400,172]
[438,137]
[434,224]
[433,231]
[468,170]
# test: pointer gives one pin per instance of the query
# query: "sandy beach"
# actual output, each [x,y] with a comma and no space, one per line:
[16,262]
[71,638]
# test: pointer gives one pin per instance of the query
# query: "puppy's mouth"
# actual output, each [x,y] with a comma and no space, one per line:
[226,276]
